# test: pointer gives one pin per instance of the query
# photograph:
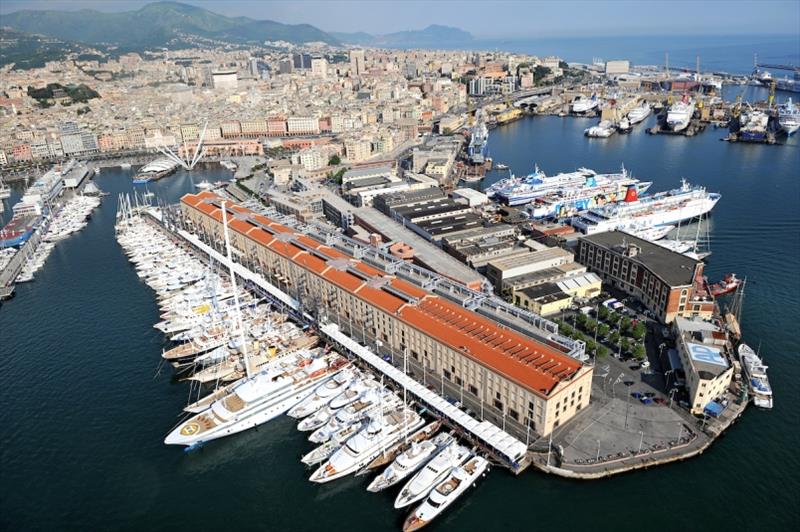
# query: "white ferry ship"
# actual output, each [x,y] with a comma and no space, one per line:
[664,208]
[596,191]
[581,184]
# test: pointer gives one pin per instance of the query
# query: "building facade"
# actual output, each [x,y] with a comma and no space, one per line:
[669,284]
[506,376]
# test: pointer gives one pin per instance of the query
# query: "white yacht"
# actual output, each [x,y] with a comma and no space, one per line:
[254,400]
[322,395]
[756,373]
[602,130]
[358,451]
[324,451]
[582,104]
[417,455]
[680,114]
[446,492]
[434,472]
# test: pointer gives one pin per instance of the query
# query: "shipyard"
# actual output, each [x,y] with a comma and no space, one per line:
[255,273]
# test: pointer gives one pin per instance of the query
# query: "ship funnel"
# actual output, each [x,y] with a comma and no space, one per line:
[631,195]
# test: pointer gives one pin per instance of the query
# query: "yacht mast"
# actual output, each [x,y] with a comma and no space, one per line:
[235,290]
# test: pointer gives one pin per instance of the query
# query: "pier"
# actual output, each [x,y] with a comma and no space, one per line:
[505,449]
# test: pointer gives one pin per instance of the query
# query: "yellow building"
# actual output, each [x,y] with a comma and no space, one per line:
[543,299]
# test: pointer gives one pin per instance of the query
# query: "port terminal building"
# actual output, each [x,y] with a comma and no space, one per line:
[669,284]
[526,384]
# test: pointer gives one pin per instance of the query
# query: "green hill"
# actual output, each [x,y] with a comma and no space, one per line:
[157,24]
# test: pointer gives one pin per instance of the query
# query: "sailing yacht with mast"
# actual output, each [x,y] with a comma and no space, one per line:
[259,398]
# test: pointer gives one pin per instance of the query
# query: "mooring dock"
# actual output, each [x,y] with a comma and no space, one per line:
[501,446]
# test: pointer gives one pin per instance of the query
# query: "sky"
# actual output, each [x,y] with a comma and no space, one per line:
[494,19]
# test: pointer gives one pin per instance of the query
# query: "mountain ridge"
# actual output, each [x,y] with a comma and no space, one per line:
[158,24]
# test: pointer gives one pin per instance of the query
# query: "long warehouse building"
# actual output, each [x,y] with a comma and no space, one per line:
[510,375]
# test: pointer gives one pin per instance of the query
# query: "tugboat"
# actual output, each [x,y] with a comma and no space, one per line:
[728,284]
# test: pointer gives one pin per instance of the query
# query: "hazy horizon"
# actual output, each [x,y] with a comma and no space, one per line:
[492,20]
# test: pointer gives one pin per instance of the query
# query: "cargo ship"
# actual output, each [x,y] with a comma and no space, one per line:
[754,126]
[155,171]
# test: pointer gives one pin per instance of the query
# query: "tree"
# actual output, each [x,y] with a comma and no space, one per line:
[614,338]
[335,160]
[447,132]
[639,352]
[590,325]
[602,351]
[639,330]
[563,65]
[602,313]
[581,319]
[603,330]
[540,72]
[627,323]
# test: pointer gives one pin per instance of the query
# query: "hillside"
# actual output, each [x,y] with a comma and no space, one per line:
[157,24]
[433,36]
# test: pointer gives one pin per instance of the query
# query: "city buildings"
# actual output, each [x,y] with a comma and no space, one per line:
[706,360]
[502,372]
[669,284]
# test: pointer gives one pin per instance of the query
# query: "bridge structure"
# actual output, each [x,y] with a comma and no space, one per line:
[189,160]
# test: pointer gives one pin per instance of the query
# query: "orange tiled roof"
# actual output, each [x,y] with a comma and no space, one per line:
[518,358]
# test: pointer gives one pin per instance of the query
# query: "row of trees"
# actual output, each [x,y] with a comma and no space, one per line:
[613,329]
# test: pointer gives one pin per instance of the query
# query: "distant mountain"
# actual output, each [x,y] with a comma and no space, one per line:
[360,37]
[433,36]
[158,24]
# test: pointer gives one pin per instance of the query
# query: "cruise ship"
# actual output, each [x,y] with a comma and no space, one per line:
[664,208]
[680,114]
[583,181]
[155,170]
[479,137]
[789,117]
[596,191]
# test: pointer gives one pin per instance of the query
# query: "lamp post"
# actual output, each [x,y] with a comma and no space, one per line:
[672,396]
[641,441]
[598,452]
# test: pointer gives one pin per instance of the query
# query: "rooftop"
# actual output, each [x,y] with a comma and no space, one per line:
[518,358]
[674,268]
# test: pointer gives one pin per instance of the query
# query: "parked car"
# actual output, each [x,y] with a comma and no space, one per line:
[645,364]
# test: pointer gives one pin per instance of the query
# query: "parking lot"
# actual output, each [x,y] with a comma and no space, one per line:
[629,420]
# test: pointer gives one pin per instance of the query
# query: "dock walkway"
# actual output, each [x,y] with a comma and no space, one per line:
[501,446]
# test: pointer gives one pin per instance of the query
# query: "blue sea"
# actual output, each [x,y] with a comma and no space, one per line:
[733,54]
